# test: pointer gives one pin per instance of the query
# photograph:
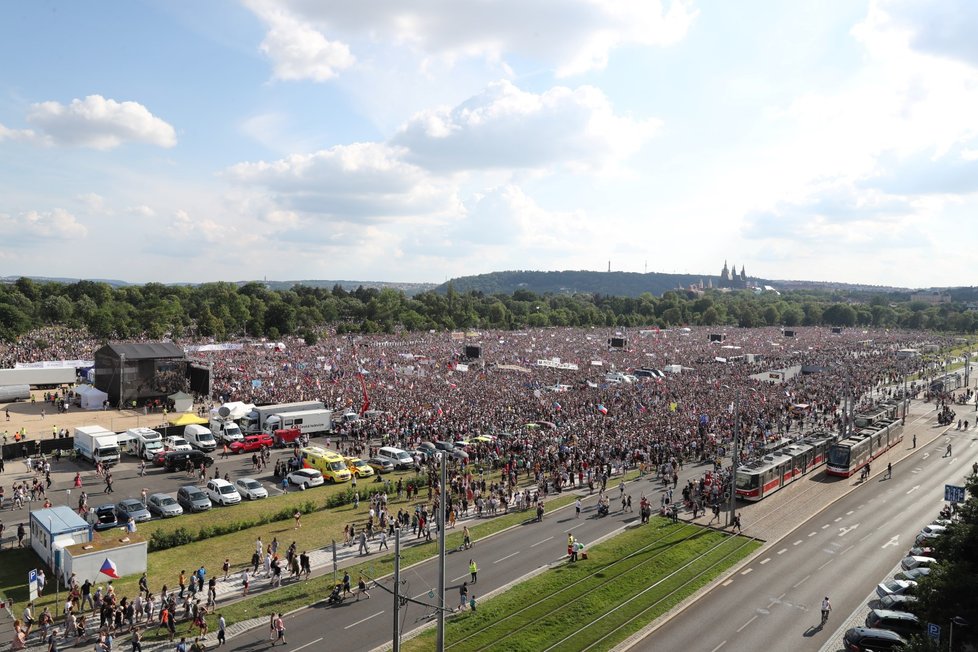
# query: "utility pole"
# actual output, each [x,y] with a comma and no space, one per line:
[122,375]
[397,589]
[440,643]
[733,475]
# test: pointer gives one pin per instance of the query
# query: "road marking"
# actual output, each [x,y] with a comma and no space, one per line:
[801,581]
[461,577]
[765,560]
[747,572]
[837,520]
[953,460]
[811,534]
[926,455]
[363,620]
[539,542]
[825,526]
[307,644]
[894,541]
[849,513]
[913,489]
[826,564]
[718,647]
[798,542]
[575,527]
[846,530]
[846,550]
[506,557]
[782,551]
[742,627]
[727,583]
[861,506]
[782,595]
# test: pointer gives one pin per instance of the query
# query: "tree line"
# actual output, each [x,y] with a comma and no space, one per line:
[228,310]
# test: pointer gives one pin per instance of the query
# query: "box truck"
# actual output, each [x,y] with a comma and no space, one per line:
[96,444]
[253,423]
[307,422]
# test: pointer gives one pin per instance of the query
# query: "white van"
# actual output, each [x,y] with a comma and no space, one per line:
[145,442]
[200,438]
[399,458]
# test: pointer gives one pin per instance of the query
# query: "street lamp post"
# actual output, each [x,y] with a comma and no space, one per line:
[960,622]
[440,639]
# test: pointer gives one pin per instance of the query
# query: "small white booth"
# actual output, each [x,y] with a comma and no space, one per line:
[90,398]
[55,528]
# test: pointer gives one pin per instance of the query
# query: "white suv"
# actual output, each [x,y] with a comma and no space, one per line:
[222,492]
[178,444]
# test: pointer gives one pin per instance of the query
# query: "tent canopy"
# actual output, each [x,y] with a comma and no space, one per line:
[186,419]
[90,398]
[182,402]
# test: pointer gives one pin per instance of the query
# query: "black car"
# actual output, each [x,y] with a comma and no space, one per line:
[105,518]
[897,602]
[177,460]
[901,622]
[865,639]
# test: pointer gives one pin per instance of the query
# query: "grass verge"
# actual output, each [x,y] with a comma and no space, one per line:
[628,582]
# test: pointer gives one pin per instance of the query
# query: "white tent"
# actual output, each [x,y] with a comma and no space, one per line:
[239,409]
[90,398]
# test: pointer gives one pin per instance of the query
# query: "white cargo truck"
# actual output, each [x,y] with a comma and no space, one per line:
[144,442]
[254,422]
[307,422]
[96,444]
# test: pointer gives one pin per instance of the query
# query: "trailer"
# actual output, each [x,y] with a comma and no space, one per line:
[42,377]
[254,422]
[307,422]
[11,393]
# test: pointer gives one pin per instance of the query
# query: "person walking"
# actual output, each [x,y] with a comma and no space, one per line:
[577,508]
[463,596]
[736,522]
[947,453]
[915,440]
[362,588]
[221,630]
[889,470]
[280,629]
[473,571]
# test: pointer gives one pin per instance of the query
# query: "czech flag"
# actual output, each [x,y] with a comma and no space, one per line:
[108,568]
[602,409]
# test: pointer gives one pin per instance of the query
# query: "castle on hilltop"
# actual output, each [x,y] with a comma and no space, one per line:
[731,280]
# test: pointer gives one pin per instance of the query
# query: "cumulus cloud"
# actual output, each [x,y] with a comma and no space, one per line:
[100,123]
[506,127]
[17,134]
[196,229]
[362,182]
[57,224]
[572,36]
[941,27]
[297,49]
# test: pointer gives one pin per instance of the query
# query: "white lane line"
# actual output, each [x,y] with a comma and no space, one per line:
[506,557]
[801,581]
[811,534]
[782,595]
[747,572]
[575,527]
[539,542]
[825,526]
[460,577]
[850,512]
[782,551]
[307,644]
[837,520]
[742,627]
[861,506]
[826,564]
[727,583]
[718,647]
[798,542]
[363,620]
[765,560]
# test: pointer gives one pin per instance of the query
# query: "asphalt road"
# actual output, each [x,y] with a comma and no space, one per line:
[841,552]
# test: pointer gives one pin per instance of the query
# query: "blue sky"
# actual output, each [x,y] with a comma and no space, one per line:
[382,140]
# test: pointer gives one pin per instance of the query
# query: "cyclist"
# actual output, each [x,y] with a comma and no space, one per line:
[826,608]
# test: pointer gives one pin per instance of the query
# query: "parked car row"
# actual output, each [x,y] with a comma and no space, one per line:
[189,499]
[890,623]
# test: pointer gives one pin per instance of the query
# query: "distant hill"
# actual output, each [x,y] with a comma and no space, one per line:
[630,284]
[409,289]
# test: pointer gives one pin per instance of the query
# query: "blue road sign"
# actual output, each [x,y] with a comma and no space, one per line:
[934,631]
[953,493]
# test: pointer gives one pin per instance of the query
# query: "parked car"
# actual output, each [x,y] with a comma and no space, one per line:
[132,507]
[222,492]
[192,499]
[175,443]
[897,602]
[381,465]
[177,460]
[252,443]
[912,574]
[250,488]
[918,551]
[163,505]
[917,561]
[863,639]
[895,587]
[901,622]
[358,467]
[103,517]
[929,533]
[306,478]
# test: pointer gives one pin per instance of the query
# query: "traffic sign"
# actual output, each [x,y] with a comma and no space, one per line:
[934,631]
[953,493]
[32,583]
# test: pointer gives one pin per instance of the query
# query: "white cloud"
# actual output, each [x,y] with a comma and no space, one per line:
[297,49]
[941,27]
[93,201]
[361,182]
[17,134]
[100,123]
[505,127]
[572,36]
[141,210]
[196,229]
[57,224]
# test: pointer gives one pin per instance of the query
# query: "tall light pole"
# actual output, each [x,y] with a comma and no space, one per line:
[734,456]
[397,589]
[960,622]
[440,643]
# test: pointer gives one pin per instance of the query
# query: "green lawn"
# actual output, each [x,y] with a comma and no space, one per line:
[627,582]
